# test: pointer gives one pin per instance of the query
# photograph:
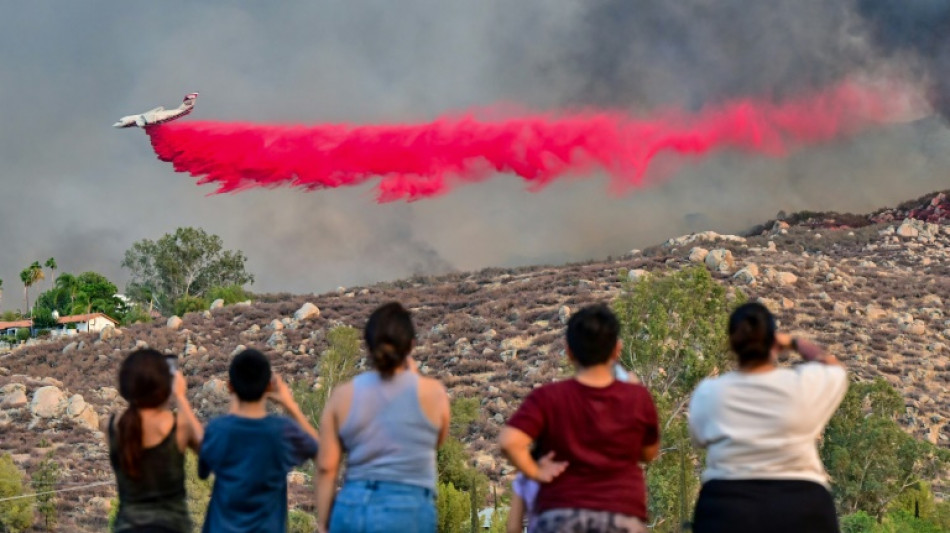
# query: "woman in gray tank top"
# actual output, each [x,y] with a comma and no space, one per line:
[389,423]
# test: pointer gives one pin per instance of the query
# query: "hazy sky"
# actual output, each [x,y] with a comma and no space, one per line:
[76,189]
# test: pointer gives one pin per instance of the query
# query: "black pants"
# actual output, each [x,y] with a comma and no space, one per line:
[766,506]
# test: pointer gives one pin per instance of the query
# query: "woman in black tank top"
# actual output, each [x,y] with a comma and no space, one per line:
[151,479]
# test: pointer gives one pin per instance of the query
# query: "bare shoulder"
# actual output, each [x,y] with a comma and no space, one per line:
[431,386]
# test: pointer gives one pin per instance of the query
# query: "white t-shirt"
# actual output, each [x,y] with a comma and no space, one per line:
[766,425]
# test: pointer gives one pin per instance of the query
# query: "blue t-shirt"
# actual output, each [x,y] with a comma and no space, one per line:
[250,459]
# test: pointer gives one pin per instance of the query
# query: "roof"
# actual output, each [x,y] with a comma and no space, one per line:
[73,319]
[15,324]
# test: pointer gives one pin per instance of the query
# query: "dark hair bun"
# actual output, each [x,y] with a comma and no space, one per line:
[752,332]
[389,335]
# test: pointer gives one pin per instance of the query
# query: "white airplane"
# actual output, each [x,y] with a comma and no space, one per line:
[159,114]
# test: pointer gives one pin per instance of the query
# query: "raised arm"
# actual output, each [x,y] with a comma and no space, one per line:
[285,397]
[809,350]
[190,430]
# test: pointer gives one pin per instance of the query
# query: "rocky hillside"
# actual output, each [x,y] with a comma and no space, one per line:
[872,287]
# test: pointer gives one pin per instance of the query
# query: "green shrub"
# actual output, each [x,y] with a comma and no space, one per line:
[190,304]
[45,480]
[301,522]
[22,334]
[453,509]
[199,492]
[231,294]
[15,515]
[136,314]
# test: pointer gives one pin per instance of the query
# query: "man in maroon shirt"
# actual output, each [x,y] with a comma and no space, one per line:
[594,430]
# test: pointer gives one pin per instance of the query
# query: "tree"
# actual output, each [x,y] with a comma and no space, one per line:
[15,515]
[89,292]
[871,459]
[338,364]
[674,330]
[44,482]
[188,262]
[51,264]
[453,509]
[1,290]
[30,276]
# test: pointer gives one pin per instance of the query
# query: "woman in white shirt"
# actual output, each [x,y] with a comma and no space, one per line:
[760,425]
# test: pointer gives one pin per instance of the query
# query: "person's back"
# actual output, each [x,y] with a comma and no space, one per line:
[147,447]
[594,431]
[250,459]
[757,426]
[761,424]
[388,422]
[599,432]
[250,452]
[156,497]
[386,435]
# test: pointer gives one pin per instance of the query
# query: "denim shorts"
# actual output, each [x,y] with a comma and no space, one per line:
[383,507]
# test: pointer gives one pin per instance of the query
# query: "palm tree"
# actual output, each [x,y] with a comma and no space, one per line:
[30,276]
[51,264]
[1,290]
[27,280]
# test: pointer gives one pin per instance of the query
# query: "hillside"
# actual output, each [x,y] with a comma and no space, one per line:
[872,287]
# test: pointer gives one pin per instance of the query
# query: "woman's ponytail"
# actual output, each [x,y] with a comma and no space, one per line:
[145,381]
[129,437]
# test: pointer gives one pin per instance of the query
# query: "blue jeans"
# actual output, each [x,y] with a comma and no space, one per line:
[383,507]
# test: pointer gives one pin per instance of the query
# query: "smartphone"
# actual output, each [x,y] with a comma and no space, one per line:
[172,361]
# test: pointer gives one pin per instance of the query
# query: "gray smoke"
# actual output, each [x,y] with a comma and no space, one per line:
[74,188]
[916,31]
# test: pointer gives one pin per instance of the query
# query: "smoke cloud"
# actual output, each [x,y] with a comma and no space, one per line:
[76,189]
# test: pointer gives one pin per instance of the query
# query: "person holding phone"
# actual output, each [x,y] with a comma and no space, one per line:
[250,452]
[147,445]
[760,425]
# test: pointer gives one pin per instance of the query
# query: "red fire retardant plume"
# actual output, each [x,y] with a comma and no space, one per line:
[416,161]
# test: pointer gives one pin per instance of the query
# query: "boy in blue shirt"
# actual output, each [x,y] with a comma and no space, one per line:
[251,452]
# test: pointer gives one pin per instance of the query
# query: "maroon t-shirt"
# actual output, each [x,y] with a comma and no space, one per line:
[599,432]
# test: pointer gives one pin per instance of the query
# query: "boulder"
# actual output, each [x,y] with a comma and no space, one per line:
[216,387]
[747,274]
[720,260]
[71,347]
[109,332]
[307,311]
[217,304]
[48,402]
[874,313]
[637,274]
[76,405]
[174,323]
[296,478]
[564,314]
[698,255]
[238,349]
[109,394]
[784,278]
[277,341]
[276,325]
[915,327]
[87,418]
[13,395]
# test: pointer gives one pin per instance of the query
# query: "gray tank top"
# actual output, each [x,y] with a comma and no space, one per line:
[386,435]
